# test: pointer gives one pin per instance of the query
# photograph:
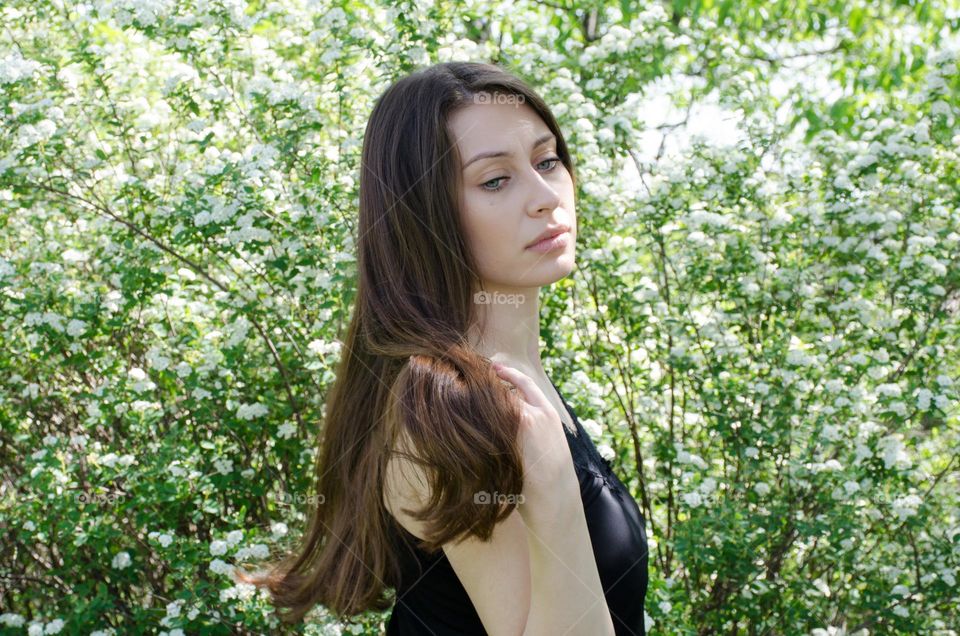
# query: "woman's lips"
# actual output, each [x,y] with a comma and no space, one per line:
[551,243]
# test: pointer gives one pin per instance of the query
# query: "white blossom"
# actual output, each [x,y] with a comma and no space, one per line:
[218,566]
[76,328]
[905,507]
[708,485]
[685,457]
[257,551]
[251,411]
[894,453]
[14,67]
[121,560]
[12,620]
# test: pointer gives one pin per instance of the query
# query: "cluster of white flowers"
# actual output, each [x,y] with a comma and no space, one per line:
[889,390]
[219,566]
[238,331]
[699,217]
[708,486]
[177,470]
[121,560]
[240,591]
[894,452]
[606,451]
[224,465]
[156,359]
[220,211]
[829,630]
[286,430]
[112,460]
[800,358]
[142,406]
[173,611]
[256,551]
[906,506]
[817,467]
[140,382]
[685,457]
[14,67]
[39,629]
[162,538]
[849,488]
[76,327]
[322,348]
[145,12]
[251,411]
[12,620]
[51,318]
[79,440]
[247,232]
[219,547]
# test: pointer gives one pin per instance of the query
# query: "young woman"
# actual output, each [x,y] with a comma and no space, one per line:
[450,467]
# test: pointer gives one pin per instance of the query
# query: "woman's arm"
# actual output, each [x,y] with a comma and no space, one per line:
[536,576]
[567,596]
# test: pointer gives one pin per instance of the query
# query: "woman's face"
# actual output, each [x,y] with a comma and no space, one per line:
[508,201]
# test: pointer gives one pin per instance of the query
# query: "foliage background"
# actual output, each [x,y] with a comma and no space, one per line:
[762,334]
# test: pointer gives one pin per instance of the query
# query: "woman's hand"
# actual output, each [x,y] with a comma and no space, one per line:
[547,463]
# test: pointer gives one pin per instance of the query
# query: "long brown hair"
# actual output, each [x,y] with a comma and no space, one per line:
[406,366]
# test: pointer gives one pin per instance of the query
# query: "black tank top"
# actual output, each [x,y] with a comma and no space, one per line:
[431,601]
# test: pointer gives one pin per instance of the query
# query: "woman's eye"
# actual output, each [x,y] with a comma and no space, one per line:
[554,160]
[499,187]
[489,188]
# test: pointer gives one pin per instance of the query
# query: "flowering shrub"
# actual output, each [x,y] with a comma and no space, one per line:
[761,333]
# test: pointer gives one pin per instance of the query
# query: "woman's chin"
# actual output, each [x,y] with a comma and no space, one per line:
[547,272]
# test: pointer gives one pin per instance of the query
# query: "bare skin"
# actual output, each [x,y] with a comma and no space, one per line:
[541,556]
[535,193]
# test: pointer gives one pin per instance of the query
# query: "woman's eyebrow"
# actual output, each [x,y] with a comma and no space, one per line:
[539,141]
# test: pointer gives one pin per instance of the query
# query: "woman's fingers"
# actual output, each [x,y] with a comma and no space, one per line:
[546,455]
[527,387]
